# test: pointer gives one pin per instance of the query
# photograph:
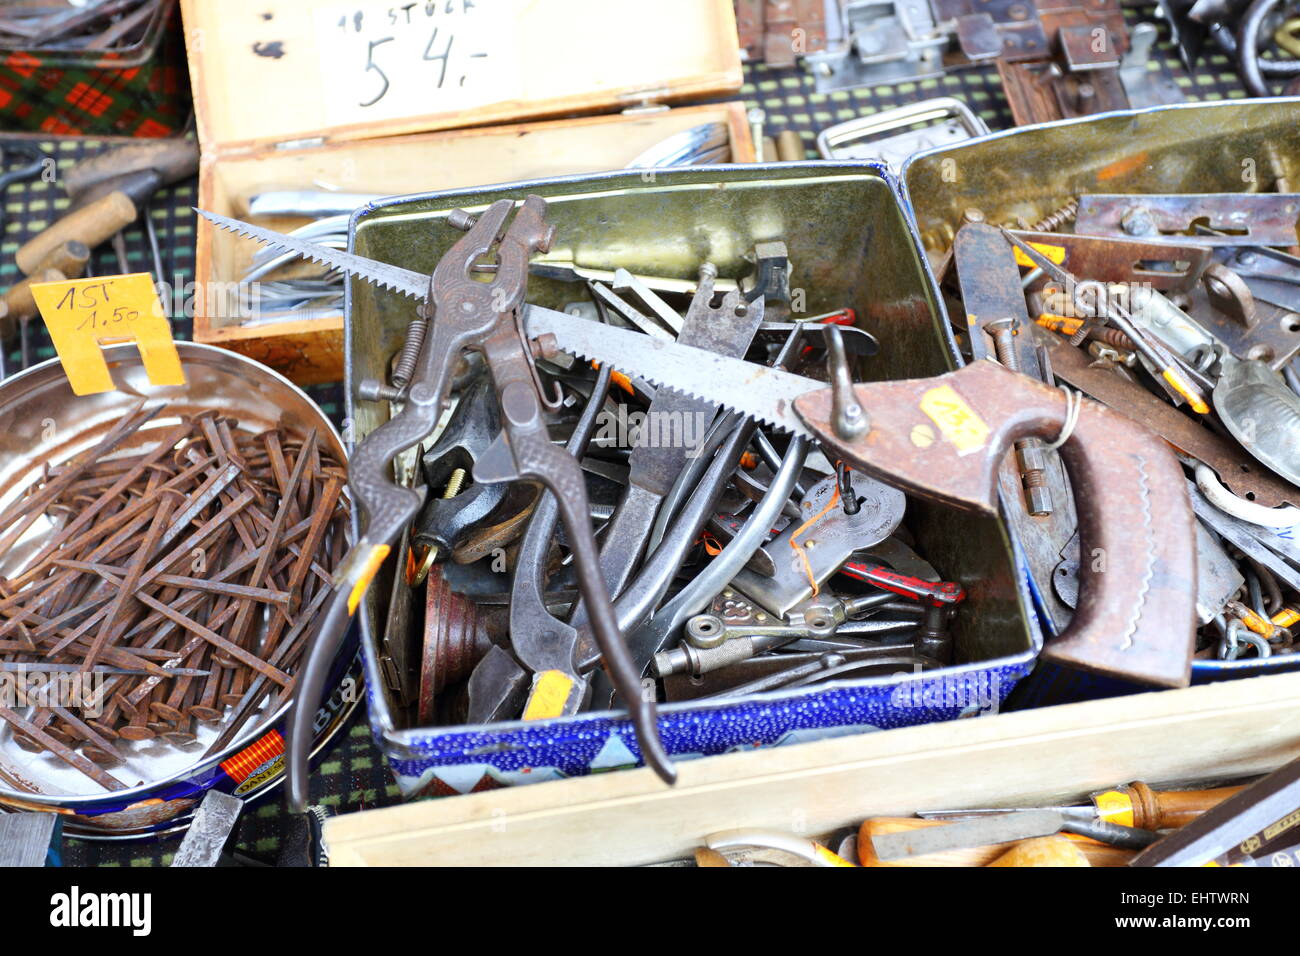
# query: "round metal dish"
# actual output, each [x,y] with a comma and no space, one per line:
[43,423]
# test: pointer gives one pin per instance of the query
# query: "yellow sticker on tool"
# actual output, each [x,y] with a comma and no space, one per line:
[1114,807]
[1066,325]
[550,692]
[374,561]
[956,419]
[830,857]
[1055,253]
[1286,617]
[1187,390]
[85,314]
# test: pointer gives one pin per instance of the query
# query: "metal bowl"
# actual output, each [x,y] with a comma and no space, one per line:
[43,423]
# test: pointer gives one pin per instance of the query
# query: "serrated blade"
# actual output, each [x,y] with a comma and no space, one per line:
[756,391]
[414,284]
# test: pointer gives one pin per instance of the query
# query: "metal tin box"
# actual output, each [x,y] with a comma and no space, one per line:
[850,244]
[1243,146]
[137,90]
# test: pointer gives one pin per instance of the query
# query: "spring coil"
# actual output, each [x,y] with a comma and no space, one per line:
[404,367]
[1057,219]
[1112,337]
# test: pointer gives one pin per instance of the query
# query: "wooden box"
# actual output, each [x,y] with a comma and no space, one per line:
[1200,735]
[272,81]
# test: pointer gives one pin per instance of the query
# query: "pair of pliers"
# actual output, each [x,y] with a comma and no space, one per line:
[464,313]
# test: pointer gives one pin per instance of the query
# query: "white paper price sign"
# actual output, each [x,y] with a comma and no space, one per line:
[385,60]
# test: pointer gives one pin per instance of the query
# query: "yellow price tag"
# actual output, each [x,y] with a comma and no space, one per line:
[85,314]
[958,422]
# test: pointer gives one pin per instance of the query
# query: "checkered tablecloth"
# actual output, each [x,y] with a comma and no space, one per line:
[353,776]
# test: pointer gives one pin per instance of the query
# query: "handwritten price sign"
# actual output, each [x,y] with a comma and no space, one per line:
[381,60]
[85,314]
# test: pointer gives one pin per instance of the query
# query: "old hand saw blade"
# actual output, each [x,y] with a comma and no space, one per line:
[764,394]
[414,284]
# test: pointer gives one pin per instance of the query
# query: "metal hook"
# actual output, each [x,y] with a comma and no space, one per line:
[848,418]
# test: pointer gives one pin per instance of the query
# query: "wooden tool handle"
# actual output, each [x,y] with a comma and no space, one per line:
[174,159]
[942,438]
[70,258]
[19,297]
[1169,809]
[90,225]
[1043,851]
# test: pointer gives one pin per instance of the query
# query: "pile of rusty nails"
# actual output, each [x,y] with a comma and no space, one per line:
[186,564]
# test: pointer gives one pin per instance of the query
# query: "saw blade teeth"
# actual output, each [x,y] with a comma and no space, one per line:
[301,248]
[655,381]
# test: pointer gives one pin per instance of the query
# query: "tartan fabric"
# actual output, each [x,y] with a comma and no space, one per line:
[54,93]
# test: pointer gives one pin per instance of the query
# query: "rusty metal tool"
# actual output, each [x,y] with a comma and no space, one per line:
[1037,503]
[456,504]
[651,638]
[786,571]
[1237,219]
[461,313]
[942,438]
[1233,465]
[1004,828]
[989,278]
[1161,265]
[206,839]
[735,630]
[939,438]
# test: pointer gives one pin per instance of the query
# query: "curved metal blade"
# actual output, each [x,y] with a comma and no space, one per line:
[764,394]
[414,284]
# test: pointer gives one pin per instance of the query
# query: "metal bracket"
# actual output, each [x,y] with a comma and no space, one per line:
[1143,85]
[879,42]
[950,122]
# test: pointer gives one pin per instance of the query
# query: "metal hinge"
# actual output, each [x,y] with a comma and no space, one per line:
[645,101]
[301,143]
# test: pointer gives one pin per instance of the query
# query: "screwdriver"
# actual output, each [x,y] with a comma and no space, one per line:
[1136,805]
